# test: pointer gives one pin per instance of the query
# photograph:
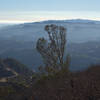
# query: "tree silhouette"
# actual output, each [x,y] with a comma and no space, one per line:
[52,50]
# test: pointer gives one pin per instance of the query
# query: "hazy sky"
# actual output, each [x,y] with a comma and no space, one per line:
[36,10]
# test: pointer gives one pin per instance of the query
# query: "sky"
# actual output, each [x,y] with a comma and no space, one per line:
[19,11]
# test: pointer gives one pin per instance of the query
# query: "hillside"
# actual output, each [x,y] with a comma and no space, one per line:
[18,67]
[15,80]
[4,72]
[83,85]
[73,86]
[13,91]
[63,85]
[10,68]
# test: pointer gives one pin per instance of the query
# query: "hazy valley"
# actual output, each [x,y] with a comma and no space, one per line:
[83,38]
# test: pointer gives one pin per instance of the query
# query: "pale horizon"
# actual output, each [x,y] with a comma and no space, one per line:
[19,22]
[25,17]
[22,11]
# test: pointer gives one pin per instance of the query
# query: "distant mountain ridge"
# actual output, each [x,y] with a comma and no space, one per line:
[54,21]
[71,21]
